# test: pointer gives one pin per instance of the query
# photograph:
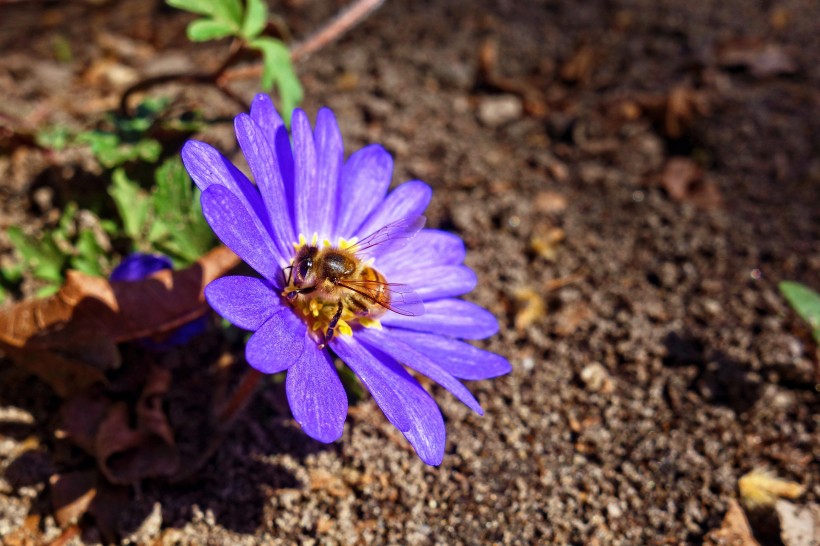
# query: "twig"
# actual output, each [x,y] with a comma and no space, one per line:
[347,19]
[343,22]
[240,399]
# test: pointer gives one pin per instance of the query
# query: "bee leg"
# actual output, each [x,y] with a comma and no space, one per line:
[293,293]
[332,326]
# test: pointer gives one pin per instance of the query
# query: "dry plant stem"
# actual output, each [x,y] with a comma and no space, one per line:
[213,78]
[225,416]
[240,399]
[344,21]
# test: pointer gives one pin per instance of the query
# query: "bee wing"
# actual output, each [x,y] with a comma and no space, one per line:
[393,236]
[399,298]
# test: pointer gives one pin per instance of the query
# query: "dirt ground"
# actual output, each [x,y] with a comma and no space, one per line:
[632,179]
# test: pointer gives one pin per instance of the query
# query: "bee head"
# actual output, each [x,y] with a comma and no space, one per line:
[303,264]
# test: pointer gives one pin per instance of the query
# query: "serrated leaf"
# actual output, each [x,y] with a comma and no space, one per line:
[173,191]
[202,7]
[256,17]
[805,302]
[203,30]
[44,257]
[278,71]
[12,274]
[89,254]
[55,138]
[133,204]
[185,235]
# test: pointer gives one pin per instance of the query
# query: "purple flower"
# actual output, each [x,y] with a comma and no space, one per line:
[136,266]
[322,293]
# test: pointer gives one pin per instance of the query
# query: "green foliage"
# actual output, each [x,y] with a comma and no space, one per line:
[278,72]
[179,229]
[805,302]
[47,257]
[224,18]
[169,219]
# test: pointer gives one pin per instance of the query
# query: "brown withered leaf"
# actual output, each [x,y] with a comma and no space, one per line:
[129,454]
[686,182]
[129,443]
[734,531]
[69,339]
[86,492]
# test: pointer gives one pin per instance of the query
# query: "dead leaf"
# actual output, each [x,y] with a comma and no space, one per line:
[799,525]
[69,339]
[762,488]
[530,308]
[71,495]
[127,455]
[686,182]
[734,531]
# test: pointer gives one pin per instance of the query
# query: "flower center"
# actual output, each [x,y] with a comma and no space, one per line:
[332,289]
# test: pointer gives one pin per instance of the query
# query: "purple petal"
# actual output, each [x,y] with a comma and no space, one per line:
[409,199]
[330,153]
[437,282]
[364,182]
[316,395]
[428,248]
[404,402]
[207,166]
[460,359]
[241,231]
[448,317]
[246,302]
[407,355]
[309,204]
[138,265]
[265,169]
[264,114]
[278,344]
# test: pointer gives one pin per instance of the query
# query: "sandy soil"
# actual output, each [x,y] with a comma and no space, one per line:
[632,180]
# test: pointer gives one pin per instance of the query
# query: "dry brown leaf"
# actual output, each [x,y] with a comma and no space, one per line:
[71,495]
[530,308]
[69,339]
[686,182]
[127,455]
[762,488]
[130,444]
[734,531]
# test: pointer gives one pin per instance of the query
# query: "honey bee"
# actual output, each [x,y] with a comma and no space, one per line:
[328,284]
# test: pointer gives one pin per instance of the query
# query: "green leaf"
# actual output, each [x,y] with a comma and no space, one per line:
[256,17]
[44,257]
[12,274]
[48,290]
[132,203]
[229,11]
[182,231]
[55,138]
[89,254]
[203,30]
[202,7]
[278,71]
[805,302]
